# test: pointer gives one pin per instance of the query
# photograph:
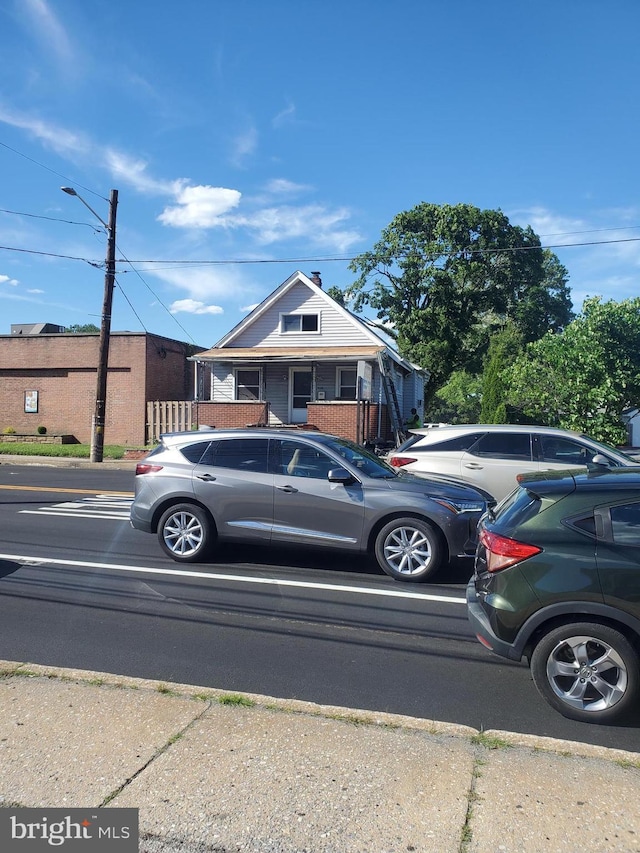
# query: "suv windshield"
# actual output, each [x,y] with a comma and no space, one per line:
[367,462]
[607,448]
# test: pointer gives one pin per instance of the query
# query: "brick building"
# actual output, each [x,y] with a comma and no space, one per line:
[50,380]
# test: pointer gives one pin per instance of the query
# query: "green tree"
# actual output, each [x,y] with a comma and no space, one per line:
[442,277]
[458,401]
[77,329]
[505,346]
[584,377]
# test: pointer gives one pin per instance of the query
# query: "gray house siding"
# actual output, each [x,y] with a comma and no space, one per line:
[334,327]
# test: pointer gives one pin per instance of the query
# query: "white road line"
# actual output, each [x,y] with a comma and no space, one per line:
[390,593]
[77,514]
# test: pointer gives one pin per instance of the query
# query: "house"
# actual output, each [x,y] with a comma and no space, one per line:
[302,359]
[49,379]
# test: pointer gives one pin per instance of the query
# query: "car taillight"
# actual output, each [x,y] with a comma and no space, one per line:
[145,468]
[399,461]
[502,552]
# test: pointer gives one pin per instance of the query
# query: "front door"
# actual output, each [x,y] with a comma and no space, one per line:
[299,394]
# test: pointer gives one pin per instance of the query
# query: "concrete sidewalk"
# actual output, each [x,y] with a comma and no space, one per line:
[221,772]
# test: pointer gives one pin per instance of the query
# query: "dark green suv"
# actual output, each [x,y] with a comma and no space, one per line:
[557,581]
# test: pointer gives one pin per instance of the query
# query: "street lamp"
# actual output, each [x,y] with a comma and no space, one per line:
[99,416]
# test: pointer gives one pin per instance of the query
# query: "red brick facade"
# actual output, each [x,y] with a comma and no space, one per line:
[336,418]
[62,369]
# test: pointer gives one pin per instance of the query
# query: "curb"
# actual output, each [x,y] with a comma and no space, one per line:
[536,743]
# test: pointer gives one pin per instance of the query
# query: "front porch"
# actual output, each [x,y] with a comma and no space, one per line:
[358,421]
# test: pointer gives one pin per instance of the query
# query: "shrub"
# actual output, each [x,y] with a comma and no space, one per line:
[9,431]
[41,430]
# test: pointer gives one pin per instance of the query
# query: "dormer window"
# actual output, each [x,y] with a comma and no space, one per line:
[299,323]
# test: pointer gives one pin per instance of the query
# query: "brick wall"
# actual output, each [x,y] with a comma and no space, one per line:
[334,417]
[63,370]
[232,414]
[341,418]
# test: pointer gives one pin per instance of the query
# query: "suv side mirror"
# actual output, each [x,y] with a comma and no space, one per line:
[340,475]
[601,460]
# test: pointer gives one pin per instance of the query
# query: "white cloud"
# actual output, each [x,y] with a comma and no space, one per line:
[5,279]
[285,116]
[200,207]
[249,308]
[134,172]
[313,223]
[192,306]
[62,141]
[34,290]
[48,28]
[597,253]
[243,146]
[205,284]
[281,186]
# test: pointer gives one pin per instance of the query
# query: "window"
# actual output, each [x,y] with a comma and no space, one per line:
[625,524]
[564,450]
[248,385]
[461,442]
[302,460]
[346,383]
[195,452]
[299,323]
[243,454]
[504,445]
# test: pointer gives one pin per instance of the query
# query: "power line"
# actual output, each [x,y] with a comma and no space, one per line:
[325,259]
[51,219]
[53,171]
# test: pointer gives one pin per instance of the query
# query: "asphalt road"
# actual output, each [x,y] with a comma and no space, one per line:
[81,589]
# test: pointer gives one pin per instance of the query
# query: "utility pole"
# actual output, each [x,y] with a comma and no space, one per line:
[97,431]
[99,415]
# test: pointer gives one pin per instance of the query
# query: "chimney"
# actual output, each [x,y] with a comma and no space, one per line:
[315,278]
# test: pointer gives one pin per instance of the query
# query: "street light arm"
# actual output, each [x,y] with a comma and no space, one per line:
[71,191]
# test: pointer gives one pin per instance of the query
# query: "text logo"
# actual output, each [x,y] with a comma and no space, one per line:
[37,830]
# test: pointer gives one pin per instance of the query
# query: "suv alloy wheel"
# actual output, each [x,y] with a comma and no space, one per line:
[587,671]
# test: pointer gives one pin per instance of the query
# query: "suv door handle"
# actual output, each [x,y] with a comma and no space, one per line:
[476,466]
[289,489]
[208,478]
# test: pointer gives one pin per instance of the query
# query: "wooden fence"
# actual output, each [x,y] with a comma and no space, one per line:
[169,416]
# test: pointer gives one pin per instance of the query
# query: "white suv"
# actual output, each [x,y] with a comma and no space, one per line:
[492,455]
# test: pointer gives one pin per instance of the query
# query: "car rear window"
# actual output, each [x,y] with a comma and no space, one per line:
[194,452]
[517,508]
[460,442]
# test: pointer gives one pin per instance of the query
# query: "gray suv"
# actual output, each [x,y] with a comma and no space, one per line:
[303,488]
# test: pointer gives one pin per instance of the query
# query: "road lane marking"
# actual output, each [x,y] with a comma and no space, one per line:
[61,489]
[391,593]
[77,514]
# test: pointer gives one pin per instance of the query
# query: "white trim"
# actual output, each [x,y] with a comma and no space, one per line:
[300,331]
[339,369]
[237,370]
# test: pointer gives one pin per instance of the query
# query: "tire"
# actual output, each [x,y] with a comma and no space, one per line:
[409,549]
[186,533]
[588,672]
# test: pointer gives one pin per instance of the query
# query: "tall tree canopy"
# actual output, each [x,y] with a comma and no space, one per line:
[586,376]
[442,278]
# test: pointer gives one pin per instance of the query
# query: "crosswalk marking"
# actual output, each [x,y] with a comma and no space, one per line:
[107,506]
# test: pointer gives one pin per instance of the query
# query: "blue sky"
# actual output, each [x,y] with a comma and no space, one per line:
[287,135]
